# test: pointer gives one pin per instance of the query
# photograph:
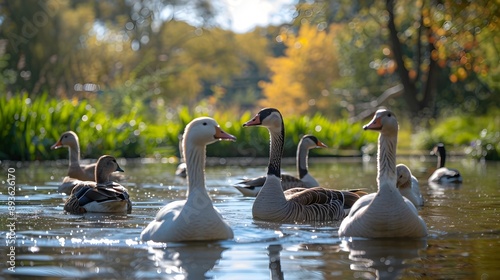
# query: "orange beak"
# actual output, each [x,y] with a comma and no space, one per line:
[321,144]
[57,145]
[254,121]
[221,135]
[375,124]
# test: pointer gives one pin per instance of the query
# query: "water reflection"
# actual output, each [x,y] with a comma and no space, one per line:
[192,260]
[382,258]
[463,241]
[275,261]
[445,185]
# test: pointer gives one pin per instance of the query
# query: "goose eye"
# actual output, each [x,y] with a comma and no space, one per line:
[389,115]
[204,123]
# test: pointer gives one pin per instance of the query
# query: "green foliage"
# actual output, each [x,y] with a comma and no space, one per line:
[30,126]
[477,136]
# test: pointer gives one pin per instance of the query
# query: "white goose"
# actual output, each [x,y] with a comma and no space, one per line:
[293,205]
[385,213]
[252,187]
[100,195]
[443,174]
[194,218]
[69,139]
[407,185]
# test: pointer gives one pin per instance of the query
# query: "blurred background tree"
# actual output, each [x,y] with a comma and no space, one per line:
[301,79]
[342,59]
[439,56]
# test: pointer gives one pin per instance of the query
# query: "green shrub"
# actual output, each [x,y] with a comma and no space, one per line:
[29,127]
[476,136]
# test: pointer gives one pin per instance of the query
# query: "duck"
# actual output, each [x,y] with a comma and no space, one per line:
[407,185]
[296,204]
[385,213]
[193,219]
[76,171]
[252,187]
[100,195]
[443,174]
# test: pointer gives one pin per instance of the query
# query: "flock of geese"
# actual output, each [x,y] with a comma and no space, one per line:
[389,212]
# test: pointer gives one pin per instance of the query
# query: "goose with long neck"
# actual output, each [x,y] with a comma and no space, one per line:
[293,205]
[195,218]
[252,187]
[407,185]
[100,195]
[307,142]
[443,174]
[385,213]
[69,139]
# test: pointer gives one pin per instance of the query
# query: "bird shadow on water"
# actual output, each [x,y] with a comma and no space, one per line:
[382,258]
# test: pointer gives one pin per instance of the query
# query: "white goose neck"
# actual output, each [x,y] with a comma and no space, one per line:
[194,156]
[386,161]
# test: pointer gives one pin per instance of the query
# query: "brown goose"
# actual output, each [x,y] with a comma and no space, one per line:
[252,187]
[195,218]
[69,139]
[101,195]
[384,213]
[294,205]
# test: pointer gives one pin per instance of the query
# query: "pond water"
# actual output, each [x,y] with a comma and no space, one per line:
[464,225]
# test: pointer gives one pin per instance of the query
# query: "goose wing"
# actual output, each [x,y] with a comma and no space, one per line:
[320,195]
[322,202]
[87,192]
[446,175]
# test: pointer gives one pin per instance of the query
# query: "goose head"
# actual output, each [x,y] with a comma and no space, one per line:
[67,139]
[404,176]
[311,142]
[105,166]
[267,117]
[203,131]
[438,150]
[385,122]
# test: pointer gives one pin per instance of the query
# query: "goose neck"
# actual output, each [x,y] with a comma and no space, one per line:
[277,141]
[195,165]
[441,159]
[302,157]
[74,154]
[386,160]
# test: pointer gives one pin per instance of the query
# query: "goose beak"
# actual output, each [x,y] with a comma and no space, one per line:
[119,169]
[375,124]
[254,121]
[321,144]
[57,145]
[221,135]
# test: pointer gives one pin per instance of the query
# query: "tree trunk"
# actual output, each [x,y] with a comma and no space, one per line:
[417,107]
